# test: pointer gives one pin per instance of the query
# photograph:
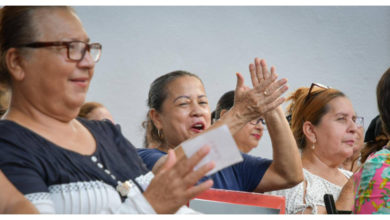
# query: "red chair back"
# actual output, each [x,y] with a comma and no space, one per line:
[244,198]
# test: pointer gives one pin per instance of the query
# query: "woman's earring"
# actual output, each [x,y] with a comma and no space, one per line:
[159,134]
[314,146]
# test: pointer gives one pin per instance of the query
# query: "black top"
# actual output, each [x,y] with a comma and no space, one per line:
[33,163]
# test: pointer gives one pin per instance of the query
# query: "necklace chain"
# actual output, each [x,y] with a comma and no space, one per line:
[122,187]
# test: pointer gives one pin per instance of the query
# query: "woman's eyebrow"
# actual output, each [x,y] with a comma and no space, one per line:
[182,96]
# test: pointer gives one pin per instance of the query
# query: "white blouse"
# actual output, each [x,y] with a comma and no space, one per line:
[315,190]
[95,197]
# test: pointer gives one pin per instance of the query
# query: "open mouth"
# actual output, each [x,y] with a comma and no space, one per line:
[198,127]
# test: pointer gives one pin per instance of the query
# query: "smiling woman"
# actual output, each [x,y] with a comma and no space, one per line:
[64,164]
[179,110]
[61,163]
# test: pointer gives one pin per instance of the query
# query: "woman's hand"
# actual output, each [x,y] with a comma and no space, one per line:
[174,184]
[265,95]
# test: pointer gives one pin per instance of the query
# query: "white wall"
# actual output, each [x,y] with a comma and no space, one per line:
[347,48]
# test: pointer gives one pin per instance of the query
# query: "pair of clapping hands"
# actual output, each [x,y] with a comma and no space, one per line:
[174,183]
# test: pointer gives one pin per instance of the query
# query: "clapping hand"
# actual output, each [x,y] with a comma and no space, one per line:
[265,94]
[174,184]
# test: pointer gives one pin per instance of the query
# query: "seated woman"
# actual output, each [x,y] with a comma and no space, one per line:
[249,136]
[60,163]
[65,164]
[324,125]
[12,201]
[95,111]
[372,186]
[179,110]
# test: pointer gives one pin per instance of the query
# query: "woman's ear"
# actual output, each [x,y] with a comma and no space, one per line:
[155,117]
[223,111]
[309,132]
[14,60]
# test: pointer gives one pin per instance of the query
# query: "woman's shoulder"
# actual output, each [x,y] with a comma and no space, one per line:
[150,156]
[14,137]
[10,129]
[105,126]
[346,173]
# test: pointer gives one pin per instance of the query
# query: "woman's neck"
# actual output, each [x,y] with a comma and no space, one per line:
[312,161]
[319,166]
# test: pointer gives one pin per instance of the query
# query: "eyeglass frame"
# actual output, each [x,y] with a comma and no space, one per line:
[40,44]
[262,120]
[311,88]
[357,118]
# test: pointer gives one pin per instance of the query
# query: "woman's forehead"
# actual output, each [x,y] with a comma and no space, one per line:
[185,85]
[46,22]
[341,105]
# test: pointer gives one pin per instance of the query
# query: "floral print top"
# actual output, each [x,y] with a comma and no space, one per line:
[372,185]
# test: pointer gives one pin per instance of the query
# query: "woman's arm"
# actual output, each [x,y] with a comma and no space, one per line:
[12,201]
[285,170]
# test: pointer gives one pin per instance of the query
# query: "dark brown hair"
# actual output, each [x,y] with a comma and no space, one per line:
[302,109]
[383,100]
[225,102]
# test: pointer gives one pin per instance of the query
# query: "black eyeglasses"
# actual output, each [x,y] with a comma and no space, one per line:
[76,50]
[311,88]
[257,121]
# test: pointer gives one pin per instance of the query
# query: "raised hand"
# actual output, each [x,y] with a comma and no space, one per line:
[174,184]
[266,92]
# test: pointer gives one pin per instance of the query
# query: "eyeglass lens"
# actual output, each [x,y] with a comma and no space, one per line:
[257,121]
[359,121]
[77,51]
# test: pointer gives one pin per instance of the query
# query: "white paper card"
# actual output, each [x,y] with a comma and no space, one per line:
[223,149]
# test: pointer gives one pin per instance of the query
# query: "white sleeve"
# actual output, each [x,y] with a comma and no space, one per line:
[137,204]
[96,197]
[42,201]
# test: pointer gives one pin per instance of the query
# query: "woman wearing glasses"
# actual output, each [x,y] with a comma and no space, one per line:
[61,163]
[179,110]
[249,136]
[64,164]
[324,125]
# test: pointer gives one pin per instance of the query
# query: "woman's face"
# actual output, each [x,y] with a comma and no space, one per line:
[248,137]
[336,133]
[49,73]
[185,111]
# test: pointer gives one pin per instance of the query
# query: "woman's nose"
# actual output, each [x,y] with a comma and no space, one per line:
[259,126]
[353,127]
[87,61]
[197,110]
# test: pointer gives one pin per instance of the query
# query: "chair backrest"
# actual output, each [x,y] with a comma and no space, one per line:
[216,201]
